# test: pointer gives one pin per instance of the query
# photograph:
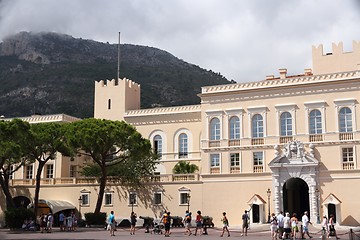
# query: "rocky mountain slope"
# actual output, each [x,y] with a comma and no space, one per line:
[50,73]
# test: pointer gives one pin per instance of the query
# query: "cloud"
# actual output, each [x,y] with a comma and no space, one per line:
[244,40]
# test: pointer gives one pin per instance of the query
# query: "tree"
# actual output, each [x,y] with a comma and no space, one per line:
[114,146]
[183,167]
[13,135]
[45,141]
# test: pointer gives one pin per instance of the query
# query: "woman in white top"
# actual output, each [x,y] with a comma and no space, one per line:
[287,229]
[273,226]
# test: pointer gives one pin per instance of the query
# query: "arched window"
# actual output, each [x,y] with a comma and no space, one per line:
[234,128]
[158,145]
[345,120]
[285,124]
[257,124]
[315,124]
[183,145]
[215,129]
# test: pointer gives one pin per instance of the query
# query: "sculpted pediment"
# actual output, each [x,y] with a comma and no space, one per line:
[293,155]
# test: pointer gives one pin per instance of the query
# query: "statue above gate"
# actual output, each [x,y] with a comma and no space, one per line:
[294,150]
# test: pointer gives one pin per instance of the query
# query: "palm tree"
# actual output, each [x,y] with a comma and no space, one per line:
[183,167]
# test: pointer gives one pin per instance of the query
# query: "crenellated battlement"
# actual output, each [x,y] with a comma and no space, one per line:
[112,83]
[337,60]
[114,98]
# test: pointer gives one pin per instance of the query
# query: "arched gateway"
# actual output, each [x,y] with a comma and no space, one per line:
[294,177]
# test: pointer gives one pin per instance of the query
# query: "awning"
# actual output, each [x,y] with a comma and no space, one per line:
[55,205]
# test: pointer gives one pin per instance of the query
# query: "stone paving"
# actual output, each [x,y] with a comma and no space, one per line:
[256,232]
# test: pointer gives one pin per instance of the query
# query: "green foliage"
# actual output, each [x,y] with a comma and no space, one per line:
[67,84]
[14,217]
[13,135]
[183,167]
[116,149]
[95,218]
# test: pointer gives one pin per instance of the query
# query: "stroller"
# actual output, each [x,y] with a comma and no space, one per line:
[157,229]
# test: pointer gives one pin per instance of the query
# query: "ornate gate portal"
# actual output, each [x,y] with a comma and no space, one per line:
[295,174]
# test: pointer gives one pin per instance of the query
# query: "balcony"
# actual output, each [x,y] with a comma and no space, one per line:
[286,139]
[258,169]
[234,169]
[215,170]
[316,138]
[348,165]
[346,136]
[214,143]
[90,180]
[257,141]
[234,142]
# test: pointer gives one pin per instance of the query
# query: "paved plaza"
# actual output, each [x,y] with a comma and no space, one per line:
[256,232]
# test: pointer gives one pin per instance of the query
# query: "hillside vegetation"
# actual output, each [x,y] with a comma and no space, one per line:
[50,73]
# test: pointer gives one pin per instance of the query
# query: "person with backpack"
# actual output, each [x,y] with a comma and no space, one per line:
[187,222]
[165,219]
[273,226]
[225,222]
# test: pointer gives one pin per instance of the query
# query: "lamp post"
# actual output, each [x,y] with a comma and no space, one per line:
[132,202]
[188,201]
[268,193]
[80,202]
[317,194]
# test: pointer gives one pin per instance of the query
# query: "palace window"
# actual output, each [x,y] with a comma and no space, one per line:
[85,198]
[158,145]
[258,161]
[348,158]
[132,198]
[345,120]
[215,129]
[109,104]
[215,163]
[108,198]
[257,124]
[157,198]
[286,124]
[234,163]
[49,170]
[11,172]
[184,199]
[73,171]
[234,128]
[29,171]
[315,122]
[183,145]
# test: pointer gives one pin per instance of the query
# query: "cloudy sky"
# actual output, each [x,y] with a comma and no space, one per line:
[244,40]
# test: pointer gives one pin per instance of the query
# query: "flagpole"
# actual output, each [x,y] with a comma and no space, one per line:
[118,63]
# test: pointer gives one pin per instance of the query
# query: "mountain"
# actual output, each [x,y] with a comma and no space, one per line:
[51,73]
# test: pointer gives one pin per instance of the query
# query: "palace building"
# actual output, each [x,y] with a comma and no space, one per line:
[286,143]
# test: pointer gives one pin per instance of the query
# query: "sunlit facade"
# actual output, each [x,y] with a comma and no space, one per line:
[287,143]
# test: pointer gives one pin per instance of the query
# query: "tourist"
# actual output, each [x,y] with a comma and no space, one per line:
[324,225]
[111,223]
[280,219]
[332,231]
[165,219]
[43,222]
[133,223]
[187,222]
[305,222]
[225,222]
[61,221]
[245,225]
[294,225]
[287,226]
[198,222]
[50,221]
[273,226]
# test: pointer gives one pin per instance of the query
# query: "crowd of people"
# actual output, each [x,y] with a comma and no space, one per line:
[281,226]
